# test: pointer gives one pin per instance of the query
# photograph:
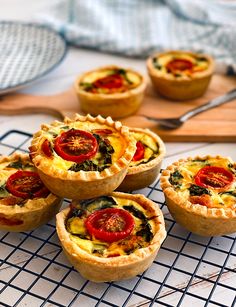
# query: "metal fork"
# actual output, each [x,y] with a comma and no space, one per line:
[176,122]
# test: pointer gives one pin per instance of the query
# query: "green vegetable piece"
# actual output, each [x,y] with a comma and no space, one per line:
[75,225]
[102,202]
[175,178]
[145,232]
[16,164]
[3,191]
[137,213]
[196,190]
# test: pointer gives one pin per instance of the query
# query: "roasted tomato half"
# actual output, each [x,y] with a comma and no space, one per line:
[214,177]
[179,65]
[110,225]
[139,153]
[26,184]
[76,145]
[109,82]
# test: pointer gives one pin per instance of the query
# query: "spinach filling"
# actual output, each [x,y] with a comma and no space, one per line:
[145,230]
[19,165]
[176,178]
[76,227]
[3,191]
[106,150]
[196,190]
[156,64]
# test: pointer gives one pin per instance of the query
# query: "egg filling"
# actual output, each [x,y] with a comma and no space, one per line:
[112,227]
[180,65]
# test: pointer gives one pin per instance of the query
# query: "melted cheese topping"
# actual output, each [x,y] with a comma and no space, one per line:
[116,140]
[103,249]
[189,169]
[199,64]
[151,148]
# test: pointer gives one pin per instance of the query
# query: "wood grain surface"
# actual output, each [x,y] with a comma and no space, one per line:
[216,125]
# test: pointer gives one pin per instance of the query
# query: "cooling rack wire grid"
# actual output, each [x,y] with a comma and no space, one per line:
[189,270]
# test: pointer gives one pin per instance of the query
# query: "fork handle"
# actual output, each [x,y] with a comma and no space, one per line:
[210,105]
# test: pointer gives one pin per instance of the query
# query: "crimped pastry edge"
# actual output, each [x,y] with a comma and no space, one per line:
[126,266]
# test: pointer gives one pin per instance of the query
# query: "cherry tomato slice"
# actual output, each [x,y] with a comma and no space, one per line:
[46,148]
[139,153]
[179,65]
[214,177]
[76,145]
[26,184]
[109,82]
[110,225]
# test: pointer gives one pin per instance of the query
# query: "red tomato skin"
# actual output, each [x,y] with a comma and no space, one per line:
[139,153]
[42,192]
[73,133]
[46,148]
[179,65]
[215,175]
[109,82]
[109,236]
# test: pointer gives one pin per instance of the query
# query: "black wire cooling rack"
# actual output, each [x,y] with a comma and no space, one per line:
[189,270]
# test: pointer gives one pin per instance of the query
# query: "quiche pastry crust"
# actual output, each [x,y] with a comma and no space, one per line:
[197,218]
[34,213]
[176,88]
[142,175]
[83,184]
[99,269]
[116,105]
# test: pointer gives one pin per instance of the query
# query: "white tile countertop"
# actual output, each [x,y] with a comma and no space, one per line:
[188,271]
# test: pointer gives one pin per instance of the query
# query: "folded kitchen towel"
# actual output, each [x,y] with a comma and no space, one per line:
[140,27]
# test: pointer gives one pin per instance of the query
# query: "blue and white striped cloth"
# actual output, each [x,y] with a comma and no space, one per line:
[140,27]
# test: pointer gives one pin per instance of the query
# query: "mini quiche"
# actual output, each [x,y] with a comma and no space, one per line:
[83,157]
[112,237]
[146,163]
[201,194]
[110,91]
[180,75]
[25,203]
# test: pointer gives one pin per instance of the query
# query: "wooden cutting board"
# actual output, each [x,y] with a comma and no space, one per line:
[216,125]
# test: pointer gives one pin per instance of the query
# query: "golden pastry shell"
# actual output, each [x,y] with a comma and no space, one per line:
[116,105]
[177,88]
[82,184]
[141,176]
[194,217]
[34,213]
[100,269]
